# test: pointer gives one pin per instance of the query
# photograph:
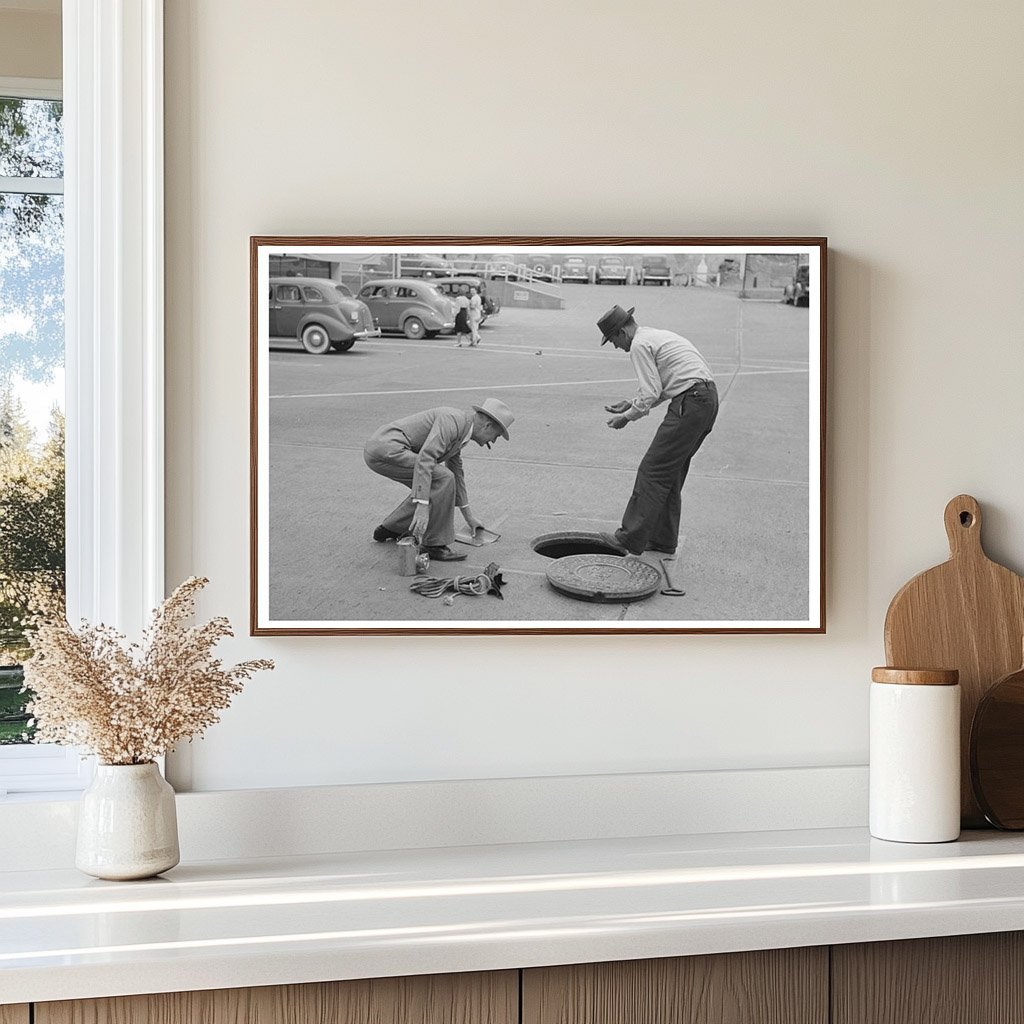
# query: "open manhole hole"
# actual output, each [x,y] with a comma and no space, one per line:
[559,545]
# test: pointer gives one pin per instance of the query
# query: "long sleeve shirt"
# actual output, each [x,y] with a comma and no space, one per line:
[666,365]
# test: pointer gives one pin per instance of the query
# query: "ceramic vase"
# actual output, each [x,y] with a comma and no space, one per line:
[127,825]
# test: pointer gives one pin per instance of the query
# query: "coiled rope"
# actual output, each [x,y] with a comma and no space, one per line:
[435,586]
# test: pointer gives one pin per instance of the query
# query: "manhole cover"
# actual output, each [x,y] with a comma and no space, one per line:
[573,542]
[603,577]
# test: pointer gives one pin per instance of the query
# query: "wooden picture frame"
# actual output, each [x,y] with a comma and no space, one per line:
[330,369]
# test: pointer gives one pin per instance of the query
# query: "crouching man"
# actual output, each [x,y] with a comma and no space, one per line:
[424,452]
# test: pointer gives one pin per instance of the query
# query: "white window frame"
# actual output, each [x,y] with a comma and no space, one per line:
[114,336]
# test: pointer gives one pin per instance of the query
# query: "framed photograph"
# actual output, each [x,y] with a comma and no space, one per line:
[537,435]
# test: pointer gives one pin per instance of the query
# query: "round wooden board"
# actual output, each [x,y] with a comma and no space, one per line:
[603,577]
[997,752]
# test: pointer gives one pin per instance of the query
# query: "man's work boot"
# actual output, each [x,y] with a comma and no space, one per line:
[444,554]
[613,542]
[382,534]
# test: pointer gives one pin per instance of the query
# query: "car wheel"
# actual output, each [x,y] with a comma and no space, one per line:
[414,328]
[315,339]
[343,346]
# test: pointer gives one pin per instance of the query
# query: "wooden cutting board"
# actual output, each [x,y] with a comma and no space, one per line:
[967,614]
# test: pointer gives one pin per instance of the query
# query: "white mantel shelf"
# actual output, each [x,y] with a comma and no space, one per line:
[226,924]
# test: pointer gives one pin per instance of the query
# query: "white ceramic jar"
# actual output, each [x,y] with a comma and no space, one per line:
[915,755]
[127,824]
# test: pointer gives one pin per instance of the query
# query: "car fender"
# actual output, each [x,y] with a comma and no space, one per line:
[432,320]
[336,330]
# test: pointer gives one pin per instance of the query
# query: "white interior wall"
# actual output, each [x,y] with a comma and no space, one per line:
[895,130]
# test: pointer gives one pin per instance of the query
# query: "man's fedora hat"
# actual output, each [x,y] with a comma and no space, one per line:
[497,410]
[613,321]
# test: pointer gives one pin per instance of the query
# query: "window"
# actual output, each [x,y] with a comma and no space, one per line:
[114,306]
[298,266]
[312,295]
[288,293]
[32,476]
[32,563]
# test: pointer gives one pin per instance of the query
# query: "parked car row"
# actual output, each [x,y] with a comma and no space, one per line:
[608,269]
[321,314]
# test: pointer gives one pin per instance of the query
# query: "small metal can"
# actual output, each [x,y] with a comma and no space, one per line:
[408,556]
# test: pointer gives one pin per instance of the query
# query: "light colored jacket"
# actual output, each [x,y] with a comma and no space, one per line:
[437,436]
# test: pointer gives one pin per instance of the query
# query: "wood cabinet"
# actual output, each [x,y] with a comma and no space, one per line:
[962,979]
[968,979]
[480,998]
[776,986]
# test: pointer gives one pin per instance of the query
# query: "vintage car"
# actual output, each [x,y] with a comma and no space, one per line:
[655,270]
[318,313]
[503,266]
[542,267]
[425,266]
[611,269]
[451,286]
[410,305]
[412,265]
[798,291]
[574,269]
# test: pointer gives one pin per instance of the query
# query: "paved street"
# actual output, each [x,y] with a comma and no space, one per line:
[744,544]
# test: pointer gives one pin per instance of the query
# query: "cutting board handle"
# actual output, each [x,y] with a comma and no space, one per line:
[963,526]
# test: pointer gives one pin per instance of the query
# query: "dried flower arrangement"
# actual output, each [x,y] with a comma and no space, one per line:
[129,704]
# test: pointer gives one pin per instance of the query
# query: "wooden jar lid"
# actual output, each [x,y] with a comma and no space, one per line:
[916,676]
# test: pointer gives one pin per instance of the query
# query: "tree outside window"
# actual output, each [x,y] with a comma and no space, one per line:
[31,387]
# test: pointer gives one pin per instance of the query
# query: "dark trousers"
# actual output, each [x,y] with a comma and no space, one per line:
[651,518]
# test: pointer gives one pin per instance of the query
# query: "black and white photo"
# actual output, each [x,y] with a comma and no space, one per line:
[537,435]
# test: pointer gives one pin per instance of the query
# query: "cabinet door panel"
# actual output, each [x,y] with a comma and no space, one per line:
[778,986]
[481,998]
[14,1014]
[962,979]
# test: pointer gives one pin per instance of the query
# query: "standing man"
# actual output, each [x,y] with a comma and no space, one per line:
[424,452]
[668,369]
